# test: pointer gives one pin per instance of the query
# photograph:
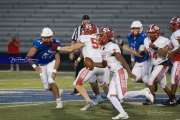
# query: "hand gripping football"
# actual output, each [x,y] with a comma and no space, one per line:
[163,51]
[88,63]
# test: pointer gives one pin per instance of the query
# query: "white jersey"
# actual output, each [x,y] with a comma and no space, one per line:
[160,42]
[108,51]
[174,39]
[91,48]
[175,73]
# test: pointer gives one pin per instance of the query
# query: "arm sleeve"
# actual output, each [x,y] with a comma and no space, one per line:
[175,42]
[36,44]
[116,48]
[166,43]
[83,38]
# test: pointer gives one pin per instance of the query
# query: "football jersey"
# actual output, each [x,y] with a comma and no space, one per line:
[108,51]
[45,53]
[135,43]
[176,35]
[160,42]
[91,48]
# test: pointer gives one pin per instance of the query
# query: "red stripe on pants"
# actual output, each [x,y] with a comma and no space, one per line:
[161,73]
[82,76]
[122,80]
[177,74]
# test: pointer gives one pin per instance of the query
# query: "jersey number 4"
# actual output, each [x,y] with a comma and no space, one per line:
[155,55]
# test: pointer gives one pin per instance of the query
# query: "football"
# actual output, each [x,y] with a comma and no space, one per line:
[163,51]
[88,63]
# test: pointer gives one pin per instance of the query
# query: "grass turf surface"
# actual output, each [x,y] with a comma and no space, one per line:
[47,111]
[101,112]
[30,80]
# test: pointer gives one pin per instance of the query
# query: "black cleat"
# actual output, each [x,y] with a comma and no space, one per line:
[147,102]
[75,92]
[170,102]
[178,101]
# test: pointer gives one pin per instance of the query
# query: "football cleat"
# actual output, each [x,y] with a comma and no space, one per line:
[170,102]
[148,95]
[178,101]
[122,116]
[147,102]
[59,105]
[88,105]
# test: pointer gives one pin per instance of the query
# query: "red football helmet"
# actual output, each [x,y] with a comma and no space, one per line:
[89,29]
[106,33]
[153,31]
[174,23]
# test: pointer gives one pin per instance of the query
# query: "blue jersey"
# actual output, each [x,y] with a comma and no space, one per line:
[135,43]
[45,53]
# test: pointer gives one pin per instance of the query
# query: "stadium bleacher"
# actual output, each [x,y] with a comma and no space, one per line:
[27,18]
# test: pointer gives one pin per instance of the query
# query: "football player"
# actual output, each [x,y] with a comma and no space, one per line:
[174,55]
[118,71]
[154,44]
[77,56]
[94,67]
[136,38]
[48,60]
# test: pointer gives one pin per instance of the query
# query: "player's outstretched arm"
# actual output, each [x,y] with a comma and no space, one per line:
[170,53]
[71,48]
[130,51]
[120,58]
[32,51]
[176,51]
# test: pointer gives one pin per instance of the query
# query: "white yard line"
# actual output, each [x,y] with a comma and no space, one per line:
[26,104]
[39,89]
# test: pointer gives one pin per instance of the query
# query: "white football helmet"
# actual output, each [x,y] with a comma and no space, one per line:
[46,32]
[137,24]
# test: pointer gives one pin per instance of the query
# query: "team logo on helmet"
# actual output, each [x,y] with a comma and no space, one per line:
[106,33]
[153,29]
[89,29]
[153,32]
[175,23]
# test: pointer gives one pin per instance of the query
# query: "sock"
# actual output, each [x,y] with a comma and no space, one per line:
[58,100]
[60,92]
[116,103]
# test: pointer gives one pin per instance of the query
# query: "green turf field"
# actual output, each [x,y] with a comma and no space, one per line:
[101,112]
[30,79]
[47,111]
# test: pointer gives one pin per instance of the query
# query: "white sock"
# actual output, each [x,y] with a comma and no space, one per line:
[58,100]
[60,92]
[117,104]
[132,94]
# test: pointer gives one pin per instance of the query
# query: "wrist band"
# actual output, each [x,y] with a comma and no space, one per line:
[34,66]
[79,59]
[59,48]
